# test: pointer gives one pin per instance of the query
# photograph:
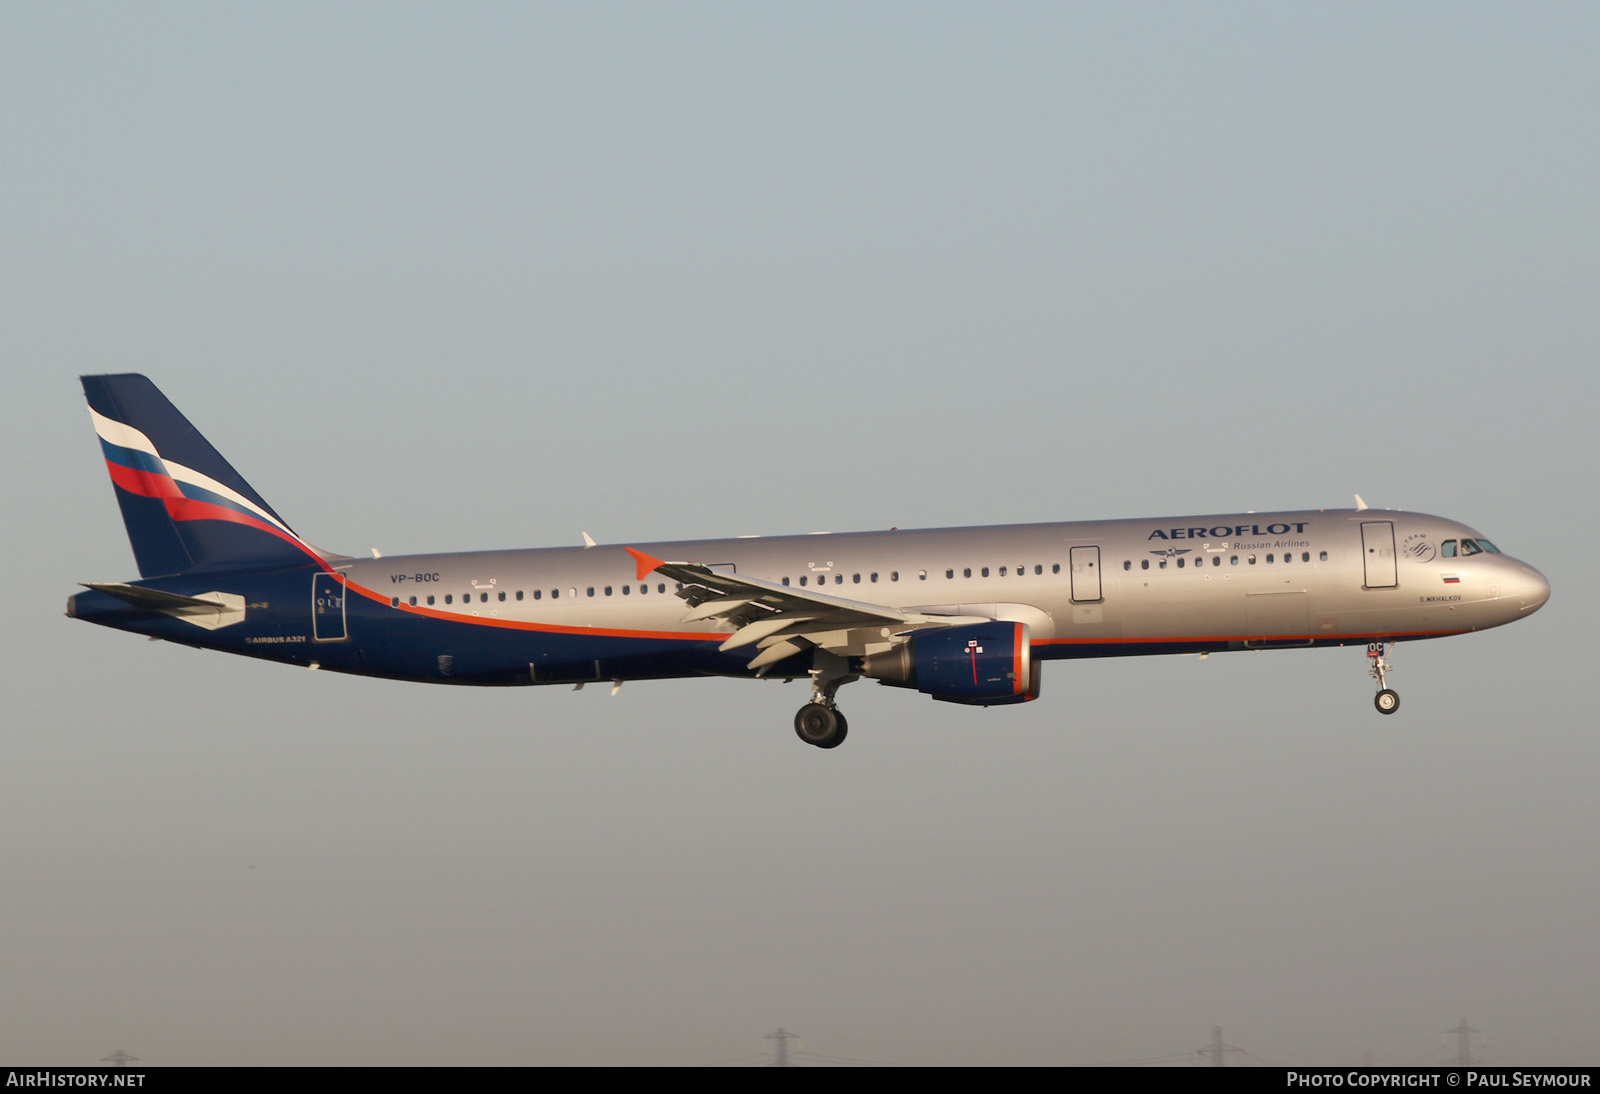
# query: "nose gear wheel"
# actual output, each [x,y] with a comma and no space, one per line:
[1387,700]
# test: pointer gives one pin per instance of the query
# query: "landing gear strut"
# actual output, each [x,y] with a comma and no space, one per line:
[1387,700]
[820,722]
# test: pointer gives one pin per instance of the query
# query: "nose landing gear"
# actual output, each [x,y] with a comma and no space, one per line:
[1387,700]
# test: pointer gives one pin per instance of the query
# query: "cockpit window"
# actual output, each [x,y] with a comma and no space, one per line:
[1448,549]
[1487,546]
[1468,547]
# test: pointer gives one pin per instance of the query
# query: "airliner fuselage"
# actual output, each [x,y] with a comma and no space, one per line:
[961,614]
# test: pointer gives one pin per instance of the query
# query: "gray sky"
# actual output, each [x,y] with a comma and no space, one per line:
[489,275]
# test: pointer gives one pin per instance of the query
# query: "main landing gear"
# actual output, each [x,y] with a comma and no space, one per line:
[1387,700]
[820,722]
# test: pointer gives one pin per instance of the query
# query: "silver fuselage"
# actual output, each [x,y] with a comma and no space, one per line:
[1090,588]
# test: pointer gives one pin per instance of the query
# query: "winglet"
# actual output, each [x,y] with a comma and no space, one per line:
[645,563]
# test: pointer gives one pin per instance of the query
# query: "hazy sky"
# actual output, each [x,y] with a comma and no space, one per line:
[490,275]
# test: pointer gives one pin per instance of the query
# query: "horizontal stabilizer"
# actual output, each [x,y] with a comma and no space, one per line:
[154,599]
[208,610]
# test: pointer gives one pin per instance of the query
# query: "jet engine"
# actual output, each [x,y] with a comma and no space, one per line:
[981,664]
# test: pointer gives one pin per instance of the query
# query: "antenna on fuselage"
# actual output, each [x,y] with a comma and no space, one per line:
[1360,505]
[588,541]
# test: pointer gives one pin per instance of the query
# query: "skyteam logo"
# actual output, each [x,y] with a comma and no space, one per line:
[1417,546]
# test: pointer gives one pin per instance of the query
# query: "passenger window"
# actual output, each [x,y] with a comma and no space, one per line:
[1055,567]
[430,599]
[1216,560]
[949,574]
[874,579]
[591,590]
[626,589]
[661,588]
[1144,564]
[1002,572]
[447,598]
[786,581]
[537,593]
[1269,558]
[985,572]
[838,579]
[1038,569]
[922,575]
[519,594]
[1305,556]
[855,579]
[413,602]
[1251,560]
[1127,564]
[1323,557]
[555,593]
[394,602]
[802,579]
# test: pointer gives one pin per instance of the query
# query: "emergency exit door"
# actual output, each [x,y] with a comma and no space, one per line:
[1085,574]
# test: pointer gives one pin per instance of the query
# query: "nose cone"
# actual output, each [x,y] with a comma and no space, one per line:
[1532,590]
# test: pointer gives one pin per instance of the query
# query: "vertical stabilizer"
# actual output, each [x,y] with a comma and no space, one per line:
[184,506]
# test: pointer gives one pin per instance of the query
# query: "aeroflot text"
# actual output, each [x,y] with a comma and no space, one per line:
[1473,1079]
[1228,531]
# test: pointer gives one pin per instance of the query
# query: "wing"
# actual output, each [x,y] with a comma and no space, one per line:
[783,620]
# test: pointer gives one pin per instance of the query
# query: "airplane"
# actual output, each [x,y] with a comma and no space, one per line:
[961,615]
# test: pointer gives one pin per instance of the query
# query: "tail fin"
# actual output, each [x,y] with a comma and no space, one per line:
[184,506]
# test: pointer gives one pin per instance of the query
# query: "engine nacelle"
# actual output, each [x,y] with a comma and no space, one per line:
[982,664]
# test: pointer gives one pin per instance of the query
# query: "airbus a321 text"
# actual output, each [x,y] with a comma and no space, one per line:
[965,615]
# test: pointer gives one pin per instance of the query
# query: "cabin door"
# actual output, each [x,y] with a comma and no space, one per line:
[1377,553]
[327,609]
